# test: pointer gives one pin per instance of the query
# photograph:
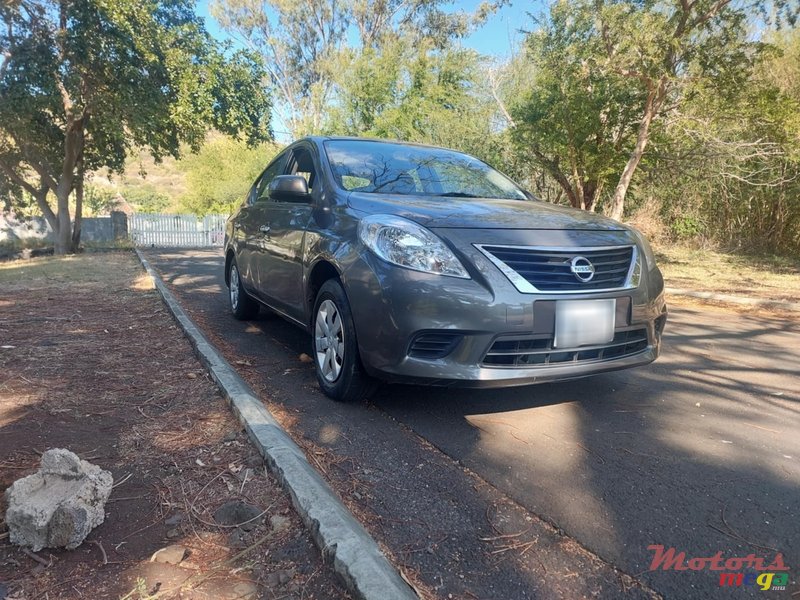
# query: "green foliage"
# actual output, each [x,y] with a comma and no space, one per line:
[99,200]
[413,91]
[606,71]
[686,227]
[301,42]
[731,163]
[85,81]
[575,120]
[145,198]
[219,175]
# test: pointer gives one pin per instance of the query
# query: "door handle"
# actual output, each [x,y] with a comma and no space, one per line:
[264,229]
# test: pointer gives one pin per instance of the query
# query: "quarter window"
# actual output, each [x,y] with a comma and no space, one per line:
[270,173]
[301,163]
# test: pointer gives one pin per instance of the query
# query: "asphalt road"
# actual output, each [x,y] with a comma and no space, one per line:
[699,451]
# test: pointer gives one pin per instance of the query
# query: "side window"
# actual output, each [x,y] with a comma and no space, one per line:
[271,172]
[301,163]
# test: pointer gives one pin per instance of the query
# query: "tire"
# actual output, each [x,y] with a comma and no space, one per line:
[334,347]
[243,306]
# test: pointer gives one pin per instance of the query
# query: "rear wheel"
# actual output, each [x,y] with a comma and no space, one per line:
[242,304]
[334,347]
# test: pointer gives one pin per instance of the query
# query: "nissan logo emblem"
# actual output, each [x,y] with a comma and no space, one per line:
[582,269]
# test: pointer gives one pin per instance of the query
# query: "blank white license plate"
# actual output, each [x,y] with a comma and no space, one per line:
[584,322]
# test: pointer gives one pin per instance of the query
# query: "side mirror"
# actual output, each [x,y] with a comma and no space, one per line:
[289,188]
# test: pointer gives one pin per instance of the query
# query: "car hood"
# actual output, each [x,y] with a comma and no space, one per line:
[481,213]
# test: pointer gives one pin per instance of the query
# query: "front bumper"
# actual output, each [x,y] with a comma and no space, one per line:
[392,307]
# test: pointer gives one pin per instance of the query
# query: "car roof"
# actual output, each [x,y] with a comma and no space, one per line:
[319,139]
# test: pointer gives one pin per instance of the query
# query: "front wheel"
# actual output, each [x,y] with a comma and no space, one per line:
[242,305]
[334,347]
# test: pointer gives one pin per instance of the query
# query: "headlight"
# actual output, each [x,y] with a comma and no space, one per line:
[649,255]
[406,244]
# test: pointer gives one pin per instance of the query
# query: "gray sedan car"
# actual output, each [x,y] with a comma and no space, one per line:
[417,264]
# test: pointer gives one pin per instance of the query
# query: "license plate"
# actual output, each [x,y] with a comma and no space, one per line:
[584,322]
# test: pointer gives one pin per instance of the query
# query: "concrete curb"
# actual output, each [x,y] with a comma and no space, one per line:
[355,556]
[783,304]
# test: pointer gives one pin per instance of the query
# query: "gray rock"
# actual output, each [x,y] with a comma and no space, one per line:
[279,523]
[171,555]
[58,505]
[239,513]
[236,539]
[175,519]
[279,578]
[285,576]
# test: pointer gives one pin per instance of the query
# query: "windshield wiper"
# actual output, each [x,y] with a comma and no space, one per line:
[458,195]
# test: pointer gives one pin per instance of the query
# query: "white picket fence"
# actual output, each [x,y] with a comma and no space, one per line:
[176,231]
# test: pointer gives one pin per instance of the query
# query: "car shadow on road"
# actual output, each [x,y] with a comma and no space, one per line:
[698,451]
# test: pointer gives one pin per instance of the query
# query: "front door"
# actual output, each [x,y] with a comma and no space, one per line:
[250,233]
[281,266]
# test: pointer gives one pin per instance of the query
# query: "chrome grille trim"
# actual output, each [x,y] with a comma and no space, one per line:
[526,287]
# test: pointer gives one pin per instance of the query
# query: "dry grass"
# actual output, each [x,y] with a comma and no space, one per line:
[111,270]
[763,277]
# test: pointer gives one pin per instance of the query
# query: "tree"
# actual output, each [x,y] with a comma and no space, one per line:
[297,45]
[727,168]
[219,175]
[662,48]
[408,89]
[606,71]
[570,118]
[302,41]
[84,81]
[419,19]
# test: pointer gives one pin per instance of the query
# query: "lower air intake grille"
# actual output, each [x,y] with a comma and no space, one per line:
[434,345]
[538,351]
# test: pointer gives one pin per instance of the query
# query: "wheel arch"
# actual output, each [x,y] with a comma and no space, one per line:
[322,271]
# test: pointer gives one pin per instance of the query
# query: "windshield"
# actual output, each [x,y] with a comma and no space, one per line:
[387,168]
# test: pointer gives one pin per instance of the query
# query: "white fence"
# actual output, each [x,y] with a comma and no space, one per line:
[176,231]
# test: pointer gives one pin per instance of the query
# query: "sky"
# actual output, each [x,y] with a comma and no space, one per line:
[497,38]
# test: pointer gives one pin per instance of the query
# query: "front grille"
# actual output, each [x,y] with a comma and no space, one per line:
[538,351]
[550,270]
[434,345]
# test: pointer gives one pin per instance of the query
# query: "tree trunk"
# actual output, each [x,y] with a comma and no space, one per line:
[651,107]
[591,192]
[552,167]
[63,232]
[76,226]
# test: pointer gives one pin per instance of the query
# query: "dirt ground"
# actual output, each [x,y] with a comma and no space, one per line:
[91,361]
